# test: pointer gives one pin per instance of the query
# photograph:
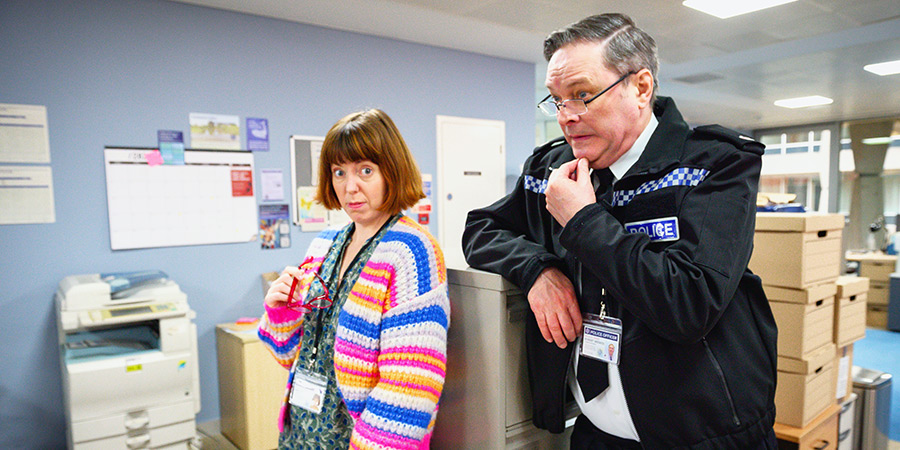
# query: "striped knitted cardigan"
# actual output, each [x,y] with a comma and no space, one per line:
[390,349]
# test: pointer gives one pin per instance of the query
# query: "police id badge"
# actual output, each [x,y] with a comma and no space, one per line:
[308,390]
[602,338]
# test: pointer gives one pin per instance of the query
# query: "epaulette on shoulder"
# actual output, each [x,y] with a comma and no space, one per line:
[721,133]
[549,145]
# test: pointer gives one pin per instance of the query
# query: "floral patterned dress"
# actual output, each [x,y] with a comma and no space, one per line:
[331,428]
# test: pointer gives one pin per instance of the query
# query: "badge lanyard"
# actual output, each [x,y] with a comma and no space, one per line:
[602,335]
[308,387]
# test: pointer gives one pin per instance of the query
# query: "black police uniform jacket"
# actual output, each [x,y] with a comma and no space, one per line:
[698,350]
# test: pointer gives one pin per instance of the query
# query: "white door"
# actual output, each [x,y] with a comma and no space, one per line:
[471,159]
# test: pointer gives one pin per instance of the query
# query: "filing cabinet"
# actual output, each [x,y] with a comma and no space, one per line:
[486,402]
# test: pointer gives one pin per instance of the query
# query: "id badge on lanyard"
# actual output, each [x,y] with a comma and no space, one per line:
[307,387]
[602,338]
[308,390]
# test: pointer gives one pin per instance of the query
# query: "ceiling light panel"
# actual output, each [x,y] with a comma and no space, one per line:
[885,68]
[726,9]
[803,102]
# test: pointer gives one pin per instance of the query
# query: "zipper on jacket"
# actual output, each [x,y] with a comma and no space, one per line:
[712,357]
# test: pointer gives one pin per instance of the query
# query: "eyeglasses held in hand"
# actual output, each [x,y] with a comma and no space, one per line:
[320,301]
[574,106]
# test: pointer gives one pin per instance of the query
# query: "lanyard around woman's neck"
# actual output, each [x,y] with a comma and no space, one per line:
[331,279]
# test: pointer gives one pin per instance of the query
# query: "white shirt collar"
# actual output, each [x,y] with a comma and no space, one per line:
[624,163]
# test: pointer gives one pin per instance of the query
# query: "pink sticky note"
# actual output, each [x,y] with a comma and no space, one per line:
[154,158]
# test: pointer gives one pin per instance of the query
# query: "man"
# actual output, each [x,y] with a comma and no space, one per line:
[635,230]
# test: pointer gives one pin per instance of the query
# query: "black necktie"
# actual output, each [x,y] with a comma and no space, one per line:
[605,180]
[593,376]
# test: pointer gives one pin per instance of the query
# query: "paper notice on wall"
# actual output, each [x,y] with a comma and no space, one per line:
[23,134]
[26,195]
[272,183]
[313,216]
[241,183]
[337,217]
[421,211]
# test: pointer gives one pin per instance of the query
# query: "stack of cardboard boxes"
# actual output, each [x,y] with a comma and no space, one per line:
[849,327]
[798,258]
[877,267]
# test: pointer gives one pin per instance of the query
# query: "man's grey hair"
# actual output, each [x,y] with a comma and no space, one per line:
[628,48]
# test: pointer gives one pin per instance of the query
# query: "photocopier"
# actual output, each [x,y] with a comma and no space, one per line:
[128,353]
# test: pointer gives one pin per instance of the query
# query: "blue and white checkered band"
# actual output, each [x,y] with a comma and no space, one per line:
[535,185]
[682,176]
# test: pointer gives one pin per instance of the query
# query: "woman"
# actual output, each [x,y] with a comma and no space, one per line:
[362,323]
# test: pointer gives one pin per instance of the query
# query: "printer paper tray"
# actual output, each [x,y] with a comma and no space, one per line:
[117,385]
[161,425]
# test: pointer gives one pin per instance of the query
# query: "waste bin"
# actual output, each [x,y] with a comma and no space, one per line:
[873,409]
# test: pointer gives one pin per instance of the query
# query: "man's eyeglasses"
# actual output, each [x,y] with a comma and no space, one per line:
[574,106]
[322,300]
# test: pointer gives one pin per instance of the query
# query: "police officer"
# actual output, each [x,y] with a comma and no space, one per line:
[631,236]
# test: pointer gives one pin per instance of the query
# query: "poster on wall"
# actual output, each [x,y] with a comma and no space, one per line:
[257,134]
[274,226]
[171,146]
[421,211]
[215,131]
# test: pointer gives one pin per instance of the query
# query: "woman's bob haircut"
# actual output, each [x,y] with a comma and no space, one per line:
[370,135]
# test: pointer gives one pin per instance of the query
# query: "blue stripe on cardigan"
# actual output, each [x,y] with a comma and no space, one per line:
[420,255]
[430,313]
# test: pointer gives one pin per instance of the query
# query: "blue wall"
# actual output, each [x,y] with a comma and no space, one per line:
[114,72]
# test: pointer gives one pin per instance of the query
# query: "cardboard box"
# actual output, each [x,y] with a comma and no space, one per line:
[797,249]
[843,364]
[849,285]
[803,327]
[251,388]
[805,386]
[804,296]
[823,431]
[849,319]
[876,316]
[879,293]
[850,309]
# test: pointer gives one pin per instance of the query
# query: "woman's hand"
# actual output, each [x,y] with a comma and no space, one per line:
[277,296]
